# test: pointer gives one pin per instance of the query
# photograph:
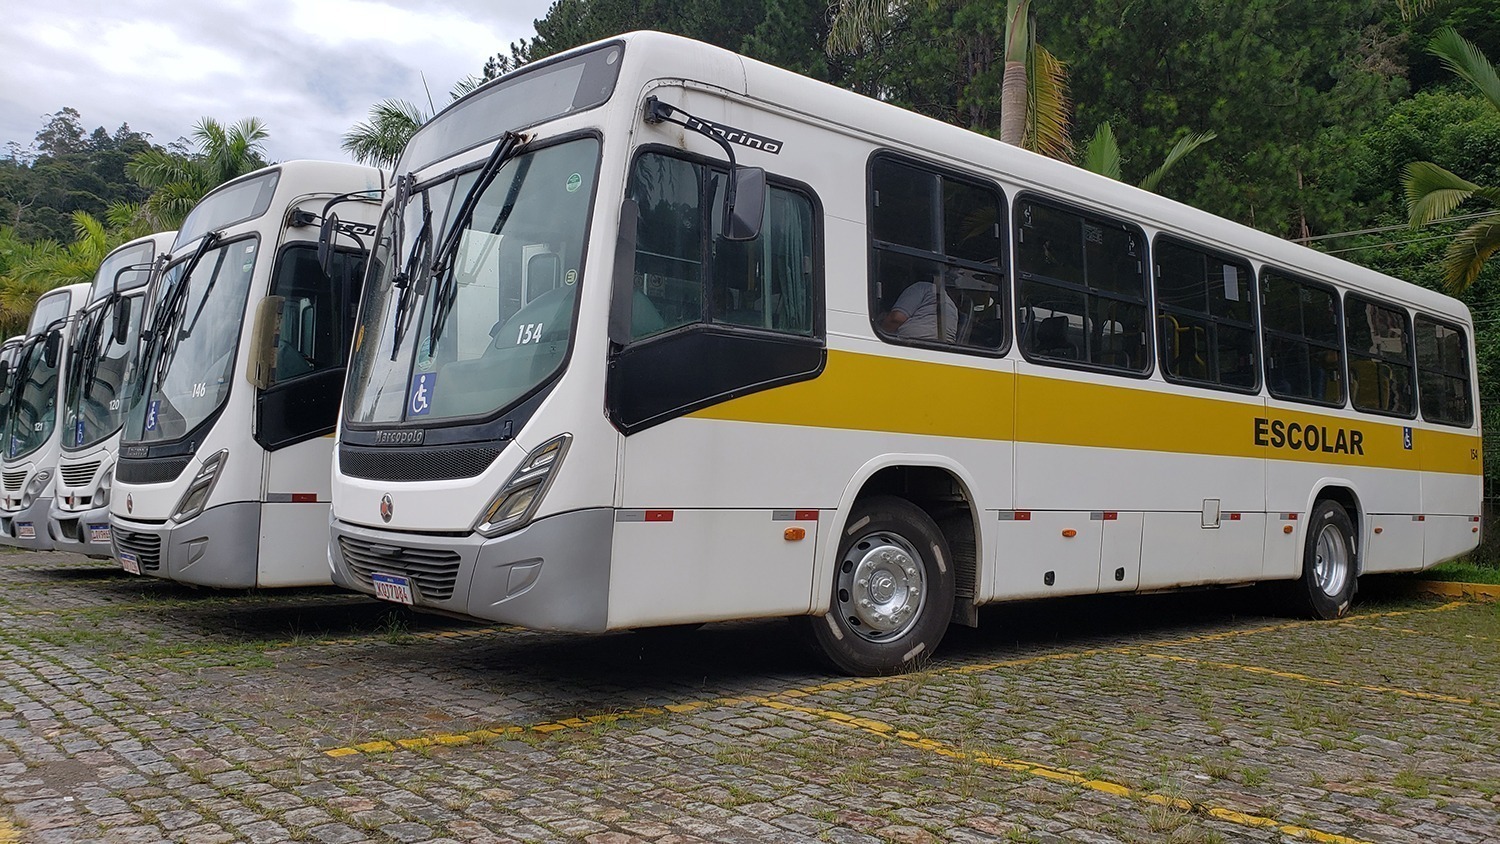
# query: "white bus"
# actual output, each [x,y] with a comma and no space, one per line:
[903,372]
[10,350]
[32,438]
[93,407]
[223,478]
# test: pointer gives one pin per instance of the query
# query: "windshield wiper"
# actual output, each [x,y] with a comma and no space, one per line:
[441,270]
[168,311]
[403,280]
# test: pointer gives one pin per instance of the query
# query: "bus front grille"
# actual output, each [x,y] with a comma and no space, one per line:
[432,572]
[13,480]
[145,546]
[78,474]
[155,470]
[415,464]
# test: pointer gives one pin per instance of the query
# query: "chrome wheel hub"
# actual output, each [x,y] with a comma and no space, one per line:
[1331,561]
[882,587]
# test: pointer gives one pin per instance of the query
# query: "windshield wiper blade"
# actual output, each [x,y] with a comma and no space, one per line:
[169,311]
[442,269]
[403,279]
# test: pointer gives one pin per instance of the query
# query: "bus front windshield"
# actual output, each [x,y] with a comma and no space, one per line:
[470,332]
[187,363]
[94,408]
[33,409]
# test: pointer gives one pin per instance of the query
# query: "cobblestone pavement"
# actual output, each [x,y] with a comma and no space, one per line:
[135,710]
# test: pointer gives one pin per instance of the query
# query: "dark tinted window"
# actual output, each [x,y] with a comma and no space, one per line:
[1443,372]
[1304,355]
[1082,288]
[1378,338]
[1206,330]
[935,257]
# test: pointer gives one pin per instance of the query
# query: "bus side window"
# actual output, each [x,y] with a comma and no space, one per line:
[1443,383]
[936,257]
[1304,348]
[1206,323]
[1085,273]
[1380,357]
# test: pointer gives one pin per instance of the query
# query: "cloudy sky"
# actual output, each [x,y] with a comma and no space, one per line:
[309,69]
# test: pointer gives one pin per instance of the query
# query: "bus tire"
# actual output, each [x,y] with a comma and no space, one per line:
[892,591]
[1330,564]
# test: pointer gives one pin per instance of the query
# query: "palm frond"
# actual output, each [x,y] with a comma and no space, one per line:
[1432,192]
[1049,111]
[1460,55]
[1412,9]
[856,23]
[1467,254]
[1180,150]
[1102,155]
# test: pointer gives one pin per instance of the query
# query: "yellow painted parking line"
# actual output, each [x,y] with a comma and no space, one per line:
[1477,591]
[920,742]
[1319,681]
[1430,634]
[841,685]
[8,833]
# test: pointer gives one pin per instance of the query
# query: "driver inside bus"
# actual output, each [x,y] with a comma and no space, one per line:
[914,316]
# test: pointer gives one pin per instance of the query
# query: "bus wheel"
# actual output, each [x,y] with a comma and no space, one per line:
[892,594]
[1329,563]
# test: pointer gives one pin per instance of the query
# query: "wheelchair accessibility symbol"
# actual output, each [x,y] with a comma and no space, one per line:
[420,400]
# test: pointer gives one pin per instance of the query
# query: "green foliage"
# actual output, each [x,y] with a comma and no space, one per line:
[380,140]
[66,169]
[178,180]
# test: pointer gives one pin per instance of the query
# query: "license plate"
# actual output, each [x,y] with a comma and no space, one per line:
[392,587]
[99,534]
[130,562]
[25,530]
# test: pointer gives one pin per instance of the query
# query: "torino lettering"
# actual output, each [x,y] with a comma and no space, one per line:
[1297,436]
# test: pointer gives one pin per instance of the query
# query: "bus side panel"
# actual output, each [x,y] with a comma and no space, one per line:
[1184,549]
[1448,537]
[1392,543]
[708,565]
[293,545]
[1047,553]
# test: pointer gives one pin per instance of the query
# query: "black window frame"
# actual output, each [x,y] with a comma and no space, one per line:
[1158,311]
[1266,331]
[1350,354]
[1468,373]
[1147,296]
[707,322]
[1001,269]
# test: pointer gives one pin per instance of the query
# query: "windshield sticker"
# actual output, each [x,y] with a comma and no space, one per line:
[151,410]
[78,433]
[571,278]
[424,354]
[574,182]
[420,401]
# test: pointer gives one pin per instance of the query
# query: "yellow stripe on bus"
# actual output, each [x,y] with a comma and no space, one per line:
[877,393]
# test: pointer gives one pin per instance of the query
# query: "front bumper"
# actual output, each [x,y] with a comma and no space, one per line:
[27,527]
[219,548]
[81,531]
[552,574]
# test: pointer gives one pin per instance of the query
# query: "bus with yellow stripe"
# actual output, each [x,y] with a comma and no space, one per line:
[655,334]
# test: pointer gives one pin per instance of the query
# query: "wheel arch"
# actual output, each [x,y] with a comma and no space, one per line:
[1346,493]
[942,488]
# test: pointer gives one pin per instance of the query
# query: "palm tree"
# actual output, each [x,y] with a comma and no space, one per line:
[1432,193]
[1102,156]
[179,181]
[1034,109]
[32,269]
[379,141]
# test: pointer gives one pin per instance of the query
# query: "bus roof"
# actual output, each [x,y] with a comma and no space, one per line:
[236,201]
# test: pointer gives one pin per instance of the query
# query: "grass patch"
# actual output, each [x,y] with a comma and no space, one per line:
[1461,571]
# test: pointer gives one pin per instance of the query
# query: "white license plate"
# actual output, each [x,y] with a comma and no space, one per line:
[99,534]
[130,562]
[392,587]
[25,530]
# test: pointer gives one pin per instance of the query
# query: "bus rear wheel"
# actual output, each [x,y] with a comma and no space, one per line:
[892,591]
[1330,564]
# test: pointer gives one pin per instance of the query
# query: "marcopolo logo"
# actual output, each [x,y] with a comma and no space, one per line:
[387,508]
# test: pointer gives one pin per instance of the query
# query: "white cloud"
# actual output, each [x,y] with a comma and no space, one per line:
[309,68]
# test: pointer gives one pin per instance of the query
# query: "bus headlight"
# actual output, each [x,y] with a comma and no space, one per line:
[196,497]
[101,496]
[33,489]
[516,502]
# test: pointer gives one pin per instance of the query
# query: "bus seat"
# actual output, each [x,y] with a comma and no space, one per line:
[1051,338]
[1370,383]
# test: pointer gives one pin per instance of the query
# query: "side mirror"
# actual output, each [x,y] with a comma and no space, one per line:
[122,320]
[742,216]
[260,367]
[52,349]
[326,233]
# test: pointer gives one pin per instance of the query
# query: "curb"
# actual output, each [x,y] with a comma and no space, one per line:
[1487,592]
